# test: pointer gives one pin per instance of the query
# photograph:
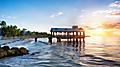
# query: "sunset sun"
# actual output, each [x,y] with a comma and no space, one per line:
[99,31]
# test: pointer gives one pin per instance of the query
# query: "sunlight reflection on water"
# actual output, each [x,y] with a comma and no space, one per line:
[107,47]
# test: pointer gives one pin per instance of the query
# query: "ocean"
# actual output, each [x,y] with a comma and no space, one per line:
[98,52]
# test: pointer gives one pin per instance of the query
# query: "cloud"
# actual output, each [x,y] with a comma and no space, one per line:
[111,25]
[60,13]
[11,17]
[115,8]
[8,17]
[56,15]
[110,17]
[116,4]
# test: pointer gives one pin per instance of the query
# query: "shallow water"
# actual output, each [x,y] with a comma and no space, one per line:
[99,51]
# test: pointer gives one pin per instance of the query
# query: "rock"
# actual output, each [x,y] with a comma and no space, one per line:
[1,50]
[3,54]
[6,48]
[11,52]
[5,51]
[23,50]
[16,50]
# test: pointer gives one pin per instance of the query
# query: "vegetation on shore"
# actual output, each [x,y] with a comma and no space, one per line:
[14,31]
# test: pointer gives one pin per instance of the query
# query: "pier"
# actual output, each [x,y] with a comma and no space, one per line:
[74,34]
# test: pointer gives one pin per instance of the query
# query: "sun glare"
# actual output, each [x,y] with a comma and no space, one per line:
[99,30]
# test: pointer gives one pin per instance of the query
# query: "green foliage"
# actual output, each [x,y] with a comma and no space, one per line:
[3,23]
[13,31]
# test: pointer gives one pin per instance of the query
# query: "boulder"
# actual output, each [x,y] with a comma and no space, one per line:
[5,51]
[3,54]
[1,50]
[11,52]
[23,50]
[6,48]
[16,50]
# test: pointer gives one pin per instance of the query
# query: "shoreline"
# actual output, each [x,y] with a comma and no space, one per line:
[8,41]
[12,40]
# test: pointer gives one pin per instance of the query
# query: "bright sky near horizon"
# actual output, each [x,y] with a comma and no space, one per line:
[41,15]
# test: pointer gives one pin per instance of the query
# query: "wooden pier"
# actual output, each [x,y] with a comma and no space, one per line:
[73,34]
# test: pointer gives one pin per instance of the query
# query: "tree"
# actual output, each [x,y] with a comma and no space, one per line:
[3,24]
[13,31]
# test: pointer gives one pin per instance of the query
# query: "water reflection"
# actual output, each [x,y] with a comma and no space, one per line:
[78,45]
[102,51]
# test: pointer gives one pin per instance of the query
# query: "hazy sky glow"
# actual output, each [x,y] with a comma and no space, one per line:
[41,15]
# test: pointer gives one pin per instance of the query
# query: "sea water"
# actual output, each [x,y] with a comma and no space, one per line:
[98,51]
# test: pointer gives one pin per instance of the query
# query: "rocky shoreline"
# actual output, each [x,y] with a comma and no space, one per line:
[6,51]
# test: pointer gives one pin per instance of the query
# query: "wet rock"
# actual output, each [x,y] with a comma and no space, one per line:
[23,50]
[1,50]
[5,51]
[16,50]
[11,52]
[3,54]
[6,48]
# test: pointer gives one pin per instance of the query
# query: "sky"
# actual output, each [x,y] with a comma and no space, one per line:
[41,15]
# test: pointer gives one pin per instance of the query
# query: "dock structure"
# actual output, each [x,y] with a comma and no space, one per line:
[73,34]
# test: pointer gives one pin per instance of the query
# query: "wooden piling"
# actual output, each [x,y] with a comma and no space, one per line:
[36,39]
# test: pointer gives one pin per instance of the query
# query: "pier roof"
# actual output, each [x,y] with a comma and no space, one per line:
[76,29]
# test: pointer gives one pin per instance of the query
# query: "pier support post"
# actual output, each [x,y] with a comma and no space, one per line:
[83,39]
[73,38]
[77,37]
[50,39]
[77,40]
[35,39]
[58,39]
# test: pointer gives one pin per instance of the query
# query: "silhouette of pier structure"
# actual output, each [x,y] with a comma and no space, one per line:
[74,34]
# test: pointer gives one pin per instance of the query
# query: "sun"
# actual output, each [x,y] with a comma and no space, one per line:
[99,30]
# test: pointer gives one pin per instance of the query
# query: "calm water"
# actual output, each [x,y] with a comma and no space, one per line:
[99,51]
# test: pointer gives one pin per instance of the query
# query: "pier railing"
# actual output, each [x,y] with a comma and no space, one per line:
[68,36]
